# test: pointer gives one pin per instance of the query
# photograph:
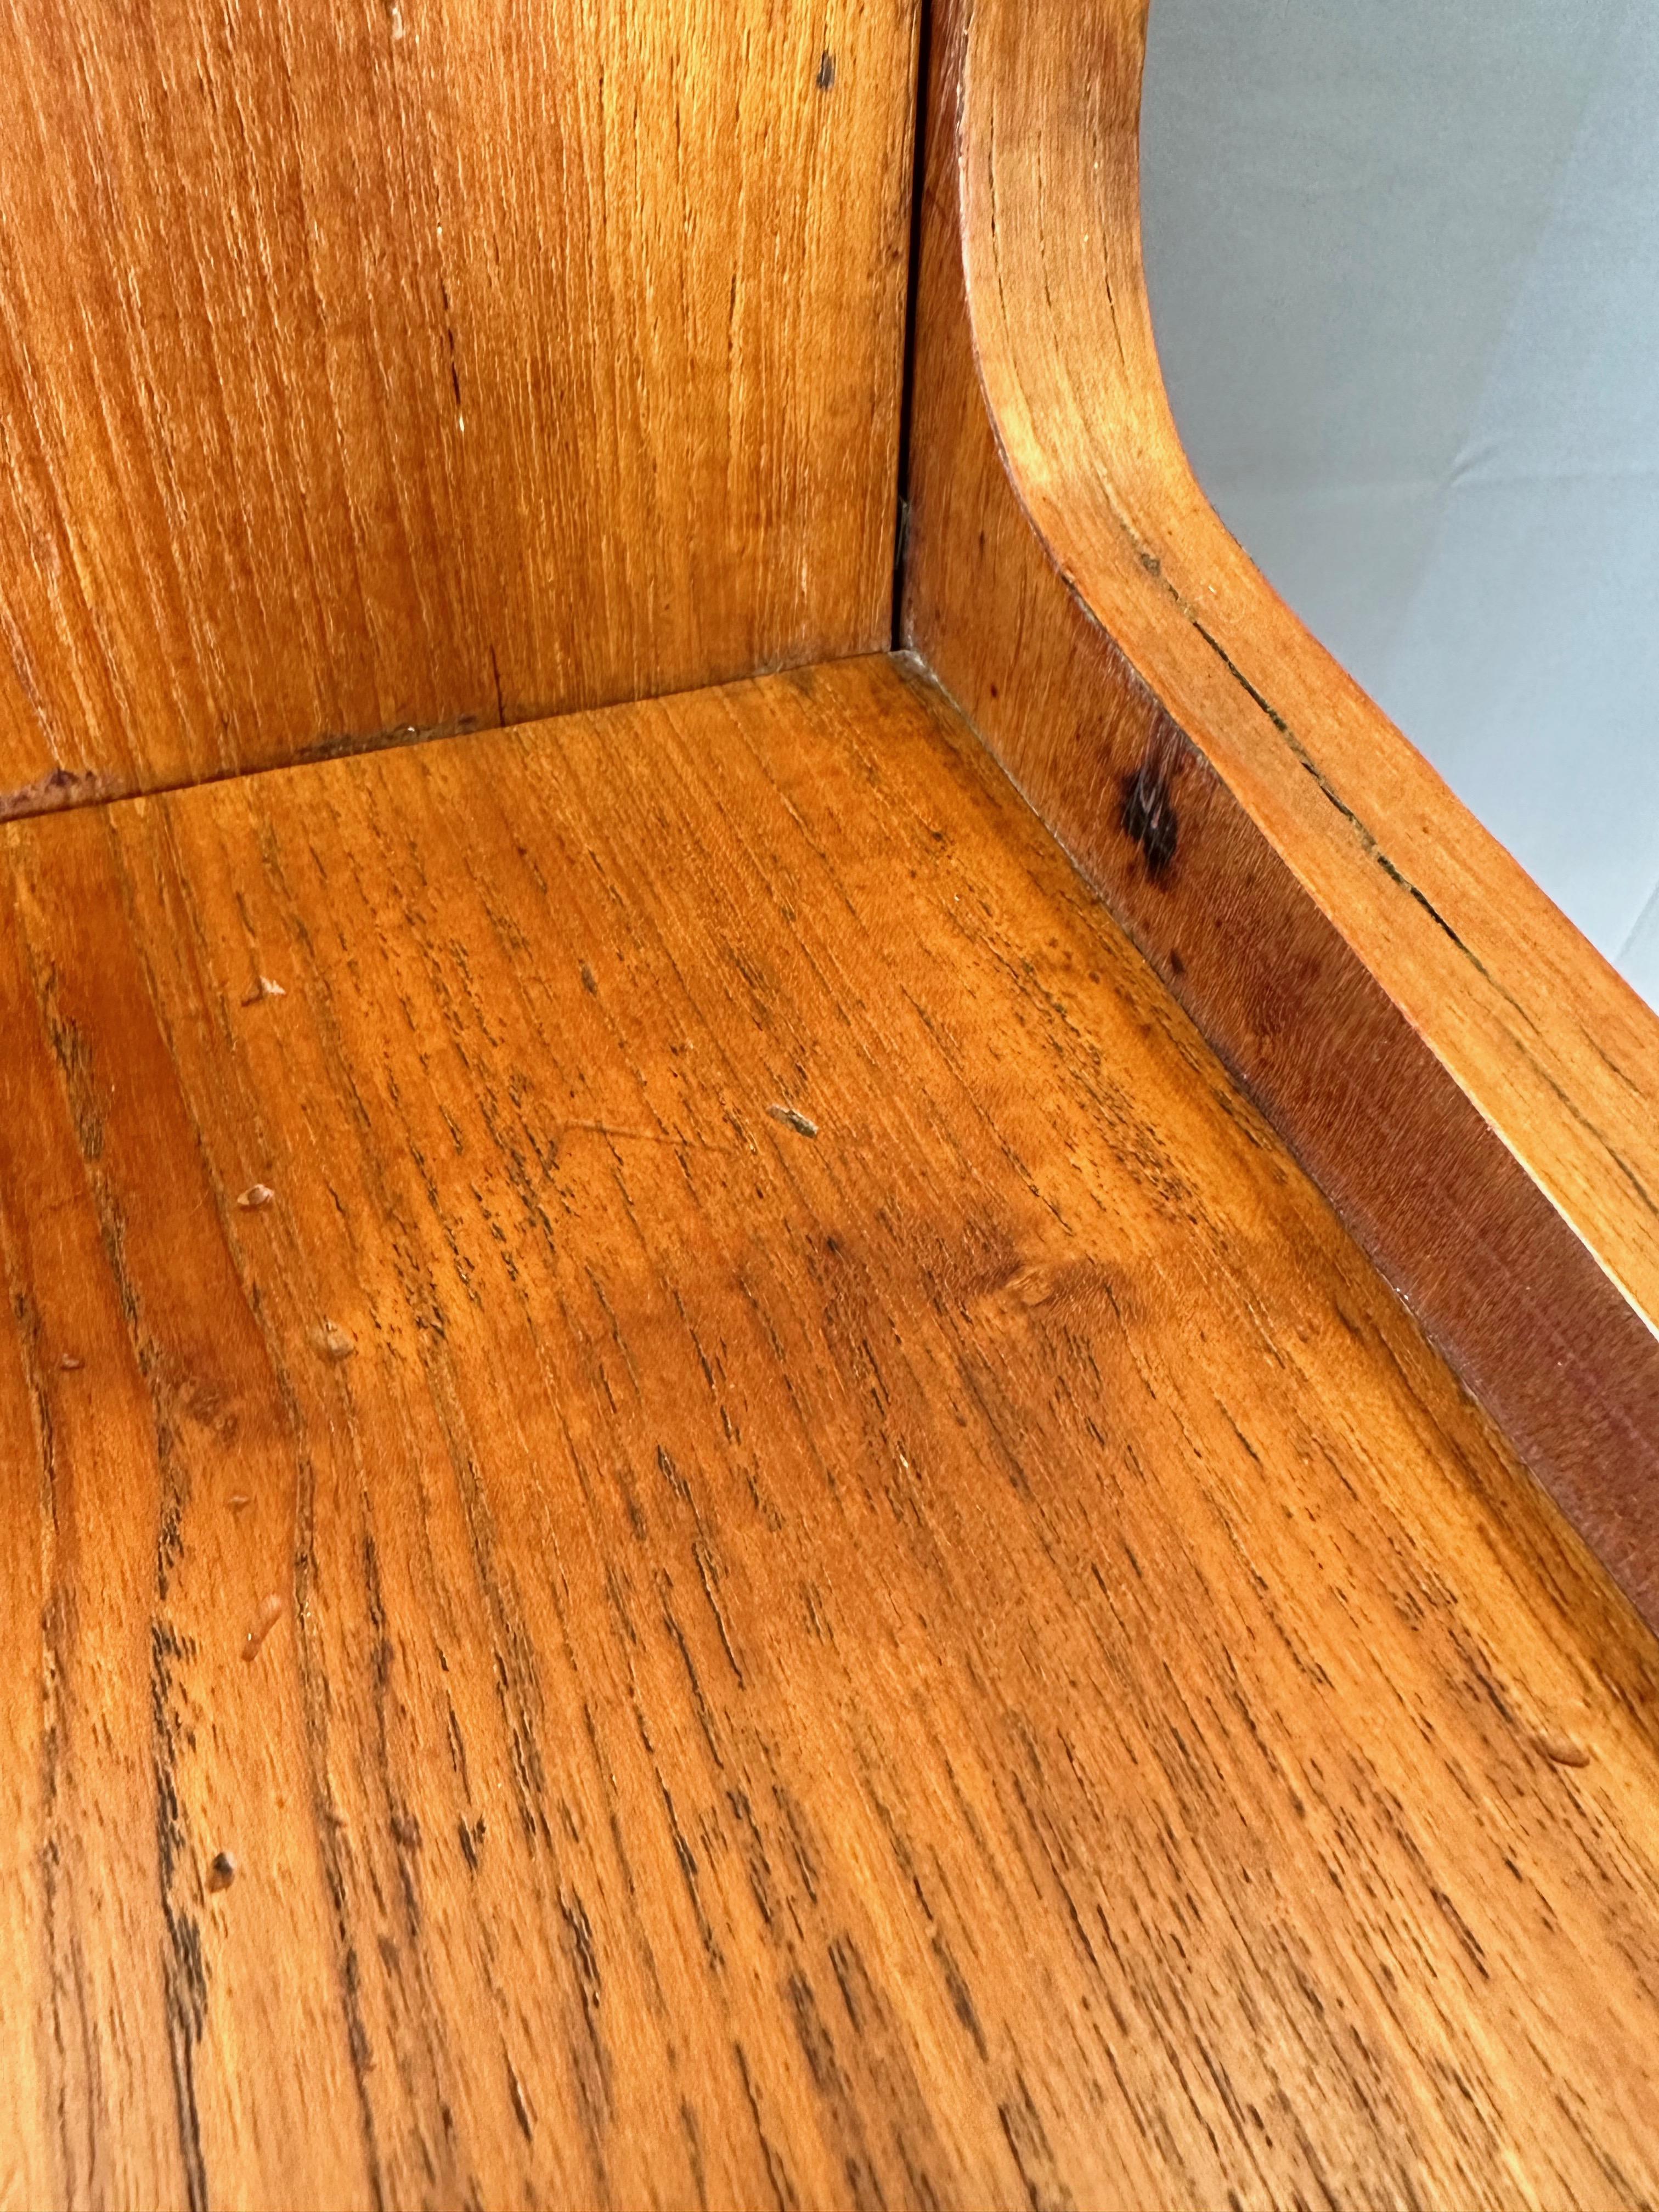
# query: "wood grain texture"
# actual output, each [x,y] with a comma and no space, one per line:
[789,1563]
[1472,1085]
[415,364]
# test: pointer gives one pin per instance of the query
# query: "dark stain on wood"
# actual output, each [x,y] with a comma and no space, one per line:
[57,788]
[1149,817]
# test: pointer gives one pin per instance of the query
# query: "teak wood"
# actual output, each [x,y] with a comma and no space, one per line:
[412,364]
[704,1503]
[791,1563]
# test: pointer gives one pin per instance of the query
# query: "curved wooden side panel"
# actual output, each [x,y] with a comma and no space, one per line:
[1474,1088]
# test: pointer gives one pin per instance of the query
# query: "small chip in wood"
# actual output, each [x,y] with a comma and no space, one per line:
[255,1195]
[223,1871]
[1561,1750]
[792,1118]
[268,1614]
[335,1342]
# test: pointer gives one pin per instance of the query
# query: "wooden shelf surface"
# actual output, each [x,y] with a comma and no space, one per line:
[702,1521]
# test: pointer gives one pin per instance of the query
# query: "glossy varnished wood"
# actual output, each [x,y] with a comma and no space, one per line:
[694,1517]
[1468,1080]
[406,364]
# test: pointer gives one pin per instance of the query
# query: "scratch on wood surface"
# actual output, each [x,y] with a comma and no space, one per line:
[624,1136]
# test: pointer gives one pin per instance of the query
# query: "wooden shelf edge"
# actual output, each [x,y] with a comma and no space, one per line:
[1474,1088]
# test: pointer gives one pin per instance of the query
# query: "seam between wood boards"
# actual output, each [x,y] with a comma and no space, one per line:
[409,738]
[919,123]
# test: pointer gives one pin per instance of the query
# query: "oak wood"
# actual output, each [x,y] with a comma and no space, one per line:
[414,364]
[1470,1082]
[693,1516]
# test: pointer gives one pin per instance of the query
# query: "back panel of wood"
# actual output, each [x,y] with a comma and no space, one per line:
[376,368]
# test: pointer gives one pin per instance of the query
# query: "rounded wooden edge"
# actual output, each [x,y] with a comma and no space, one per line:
[1474,1087]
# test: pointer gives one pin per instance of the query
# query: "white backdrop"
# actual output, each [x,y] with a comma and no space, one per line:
[1403,264]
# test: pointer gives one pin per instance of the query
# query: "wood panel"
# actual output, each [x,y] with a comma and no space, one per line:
[415,364]
[1468,1080]
[695,1517]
